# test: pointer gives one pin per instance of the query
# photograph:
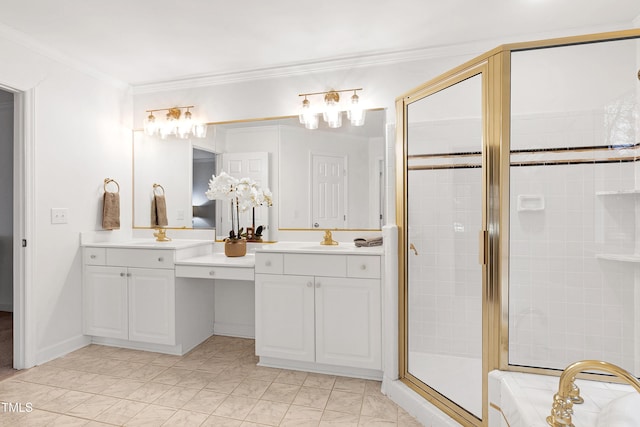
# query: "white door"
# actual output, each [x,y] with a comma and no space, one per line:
[328,184]
[285,317]
[245,165]
[105,302]
[348,322]
[152,305]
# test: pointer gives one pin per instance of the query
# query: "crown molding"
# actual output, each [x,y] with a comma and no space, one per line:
[358,61]
[28,42]
[327,65]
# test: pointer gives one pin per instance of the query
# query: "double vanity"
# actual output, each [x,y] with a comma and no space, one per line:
[317,308]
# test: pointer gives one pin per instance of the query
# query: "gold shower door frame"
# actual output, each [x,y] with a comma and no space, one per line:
[495,67]
[482,67]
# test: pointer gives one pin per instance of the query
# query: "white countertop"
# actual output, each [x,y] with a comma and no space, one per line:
[151,244]
[220,260]
[348,248]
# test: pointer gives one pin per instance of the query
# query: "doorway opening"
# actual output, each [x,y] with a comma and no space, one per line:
[6,233]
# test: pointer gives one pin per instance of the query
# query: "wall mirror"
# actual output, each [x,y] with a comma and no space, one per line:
[324,178]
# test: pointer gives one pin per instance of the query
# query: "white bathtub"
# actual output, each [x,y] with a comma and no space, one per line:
[524,400]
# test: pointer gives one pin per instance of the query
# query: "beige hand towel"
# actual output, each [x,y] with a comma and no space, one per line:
[111,211]
[368,242]
[159,211]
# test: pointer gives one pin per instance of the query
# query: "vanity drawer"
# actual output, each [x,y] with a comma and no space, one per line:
[95,256]
[315,265]
[143,258]
[206,272]
[367,267]
[269,263]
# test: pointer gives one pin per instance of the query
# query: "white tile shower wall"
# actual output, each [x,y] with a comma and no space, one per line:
[445,311]
[557,129]
[565,304]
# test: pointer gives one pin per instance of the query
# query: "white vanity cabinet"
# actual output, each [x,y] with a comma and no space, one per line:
[125,299]
[131,298]
[322,310]
[130,303]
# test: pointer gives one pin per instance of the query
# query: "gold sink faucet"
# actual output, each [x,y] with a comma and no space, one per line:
[161,235]
[328,239]
[569,393]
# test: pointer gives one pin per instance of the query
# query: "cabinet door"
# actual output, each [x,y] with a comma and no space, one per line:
[348,322]
[105,302]
[152,305]
[285,317]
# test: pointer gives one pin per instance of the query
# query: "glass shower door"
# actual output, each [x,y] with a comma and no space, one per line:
[444,218]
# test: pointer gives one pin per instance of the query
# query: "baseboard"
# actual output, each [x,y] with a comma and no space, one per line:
[60,349]
[175,350]
[417,406]
[234,330]
[6,307]
[320,368]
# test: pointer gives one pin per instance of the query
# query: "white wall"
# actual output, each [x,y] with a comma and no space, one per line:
[6,195]
[81,136]
[278,96]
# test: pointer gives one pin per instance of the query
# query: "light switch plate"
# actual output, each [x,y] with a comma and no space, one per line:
[59,215]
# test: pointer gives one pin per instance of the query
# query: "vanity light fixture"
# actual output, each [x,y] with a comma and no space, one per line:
[332,109]
[176,123]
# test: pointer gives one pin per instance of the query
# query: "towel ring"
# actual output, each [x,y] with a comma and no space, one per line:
[155,187]
[109,180]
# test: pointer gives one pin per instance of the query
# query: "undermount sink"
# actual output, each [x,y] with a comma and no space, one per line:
[319,247]
[150,243]
[621,412]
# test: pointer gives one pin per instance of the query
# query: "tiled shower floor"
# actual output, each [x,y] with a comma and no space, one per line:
[216,384]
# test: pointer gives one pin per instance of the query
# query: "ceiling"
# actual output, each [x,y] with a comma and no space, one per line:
[144,41]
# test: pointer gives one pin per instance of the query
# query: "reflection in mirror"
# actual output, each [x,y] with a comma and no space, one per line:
[204,210]
[171,163]
[324,178]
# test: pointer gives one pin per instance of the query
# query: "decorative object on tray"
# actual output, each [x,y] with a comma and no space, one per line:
[243,194]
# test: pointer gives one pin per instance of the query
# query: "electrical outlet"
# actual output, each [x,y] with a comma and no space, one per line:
[180,214]
[59,215]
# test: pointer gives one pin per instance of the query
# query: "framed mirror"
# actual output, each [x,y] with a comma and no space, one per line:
[324,178]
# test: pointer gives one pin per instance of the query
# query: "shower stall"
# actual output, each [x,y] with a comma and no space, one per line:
[519,217]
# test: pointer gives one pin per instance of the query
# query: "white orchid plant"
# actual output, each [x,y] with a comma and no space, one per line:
[244,194]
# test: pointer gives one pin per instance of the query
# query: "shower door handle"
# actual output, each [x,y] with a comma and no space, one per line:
[483,241]
[412,247]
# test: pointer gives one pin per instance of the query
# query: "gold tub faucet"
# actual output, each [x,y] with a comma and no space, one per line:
[569,393]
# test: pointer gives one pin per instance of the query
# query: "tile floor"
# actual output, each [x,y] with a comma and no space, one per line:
[216,384]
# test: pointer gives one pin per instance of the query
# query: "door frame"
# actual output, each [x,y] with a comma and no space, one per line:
[23,228]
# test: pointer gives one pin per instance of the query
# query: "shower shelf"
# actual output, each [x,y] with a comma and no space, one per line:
[619,257]
[617,193]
